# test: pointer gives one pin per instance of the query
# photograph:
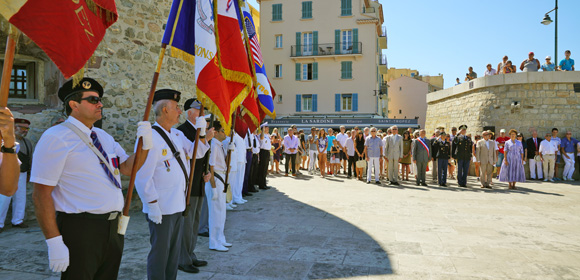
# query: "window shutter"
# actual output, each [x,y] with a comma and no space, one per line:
[355,102]
[276,12]
[350,69]
[298,49]
[304,7]
[298,103]
[315,42]
[315,103]
[343,69]
[315,71]
[355,40]
[337,41]
[337,102]
[298,71]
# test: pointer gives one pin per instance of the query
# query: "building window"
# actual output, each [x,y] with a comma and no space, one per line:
[400,111]
[307,72]
[346,41]
[345,7]
[346,70]
[400,88]
[279,41]
[307,43]
[277,12]
[22,80]
[278,72]
[307,103]
[346,102]
[307,9]
[279,98]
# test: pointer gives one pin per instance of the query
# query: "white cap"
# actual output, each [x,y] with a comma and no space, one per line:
[264,124]
[548,57]
[502,130]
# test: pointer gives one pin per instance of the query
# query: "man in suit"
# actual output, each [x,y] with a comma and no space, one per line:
[434,164]
[393,154]
[533,144]
[421,156]
[188,261]
[462,150]
[487,157]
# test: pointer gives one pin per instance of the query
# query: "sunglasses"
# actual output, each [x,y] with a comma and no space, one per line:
[92,99]
[24,127]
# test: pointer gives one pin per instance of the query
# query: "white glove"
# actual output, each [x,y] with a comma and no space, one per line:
[155,213]
[201,123]
[231,146]
[58,257]
[144,130]
[214,194]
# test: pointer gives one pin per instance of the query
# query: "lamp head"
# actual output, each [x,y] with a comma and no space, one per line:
[547,20]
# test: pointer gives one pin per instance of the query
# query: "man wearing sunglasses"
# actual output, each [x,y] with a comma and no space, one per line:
[72,181]
[21,127]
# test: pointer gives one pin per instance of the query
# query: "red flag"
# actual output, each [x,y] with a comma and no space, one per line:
[68,31]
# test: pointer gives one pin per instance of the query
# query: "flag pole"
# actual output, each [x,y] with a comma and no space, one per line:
[124,221]
[7,70]
[229,156]
[247,45]
[192,164]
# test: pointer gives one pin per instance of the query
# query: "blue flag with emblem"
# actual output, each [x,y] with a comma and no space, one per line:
[180,30]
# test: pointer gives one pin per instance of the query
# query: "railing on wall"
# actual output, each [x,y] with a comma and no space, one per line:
[326,49]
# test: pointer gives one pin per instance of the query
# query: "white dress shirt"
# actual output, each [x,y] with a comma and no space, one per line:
[349,147]
[342,137]
[266,143]
[217,158]
[291,142]
[548,147]
[155,182]
[256,143]
[63,160]
[240,148]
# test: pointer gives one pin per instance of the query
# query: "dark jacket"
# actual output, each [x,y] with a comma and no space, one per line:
[532,146]
[198,185]
[462,147]
[441,149]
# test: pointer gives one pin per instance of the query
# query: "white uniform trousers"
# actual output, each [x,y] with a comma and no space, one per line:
[373,162]
[216,213]
[569,167]
[313,156]
[549,164]
[533,165]
[239,183]
[18,202]
[233,181]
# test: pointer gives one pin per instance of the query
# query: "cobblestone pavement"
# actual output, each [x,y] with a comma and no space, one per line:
[314,228]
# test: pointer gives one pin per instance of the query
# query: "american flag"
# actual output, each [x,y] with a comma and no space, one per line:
[254,44]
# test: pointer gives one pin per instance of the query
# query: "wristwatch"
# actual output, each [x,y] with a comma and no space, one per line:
[8,150]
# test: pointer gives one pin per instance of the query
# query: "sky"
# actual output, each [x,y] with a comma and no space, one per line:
[449,36]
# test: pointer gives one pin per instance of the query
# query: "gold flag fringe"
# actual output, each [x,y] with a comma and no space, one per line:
[109,16]
[183,55]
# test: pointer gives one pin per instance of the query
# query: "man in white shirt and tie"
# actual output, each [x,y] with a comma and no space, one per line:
[548,151]
[291,143]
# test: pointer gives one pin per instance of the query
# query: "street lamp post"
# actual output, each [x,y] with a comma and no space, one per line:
[547,20]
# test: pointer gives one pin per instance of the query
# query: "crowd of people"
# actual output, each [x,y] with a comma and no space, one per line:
[530,64]
[371,154]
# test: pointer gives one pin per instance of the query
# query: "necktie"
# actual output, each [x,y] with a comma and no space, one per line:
[249,144]
[97,144]
[254,142]
[536,143]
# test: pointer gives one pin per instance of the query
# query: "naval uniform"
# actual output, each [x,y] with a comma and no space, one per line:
[442,151]
[87,201]
[191,221]
[161,178]
[462,150]
[248,166]
[217,207]
[265,147]
[255,169]
[238,180]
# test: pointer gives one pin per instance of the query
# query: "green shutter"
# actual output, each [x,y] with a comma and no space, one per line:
[298,47]
[355,41]
[337,102]
[315,103]
[346,70]
[337,41]
[349,73]
[346,7]
[343,69]
[315,71]
[276,12]
[298,103]
[315,42]
[355,102]
[307,9]
[298,71]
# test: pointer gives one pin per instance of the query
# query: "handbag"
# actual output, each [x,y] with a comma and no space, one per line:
[361,163]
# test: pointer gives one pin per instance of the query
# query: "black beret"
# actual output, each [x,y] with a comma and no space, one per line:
[192,103]
[21,121]
[169,94]
[86,84]
[462,127]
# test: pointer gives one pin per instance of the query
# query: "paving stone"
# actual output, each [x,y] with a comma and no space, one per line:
[281,269]
[335,256]
[328,271]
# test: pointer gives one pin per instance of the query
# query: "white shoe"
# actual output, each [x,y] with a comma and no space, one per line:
[570,179]
[564,179]
[552,180]
[244,200]
[228,207]
[220,249]
[233,205]
[239,202]
[545,180]
[227,244]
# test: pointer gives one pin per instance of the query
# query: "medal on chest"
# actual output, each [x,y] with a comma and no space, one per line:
[115,162]
[164,152]
[167,165]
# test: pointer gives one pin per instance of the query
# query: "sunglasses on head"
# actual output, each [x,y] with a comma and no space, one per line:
[92,99]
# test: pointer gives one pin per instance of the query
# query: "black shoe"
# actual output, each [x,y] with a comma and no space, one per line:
[204,234]
[21,225]
[254,190]
[368,182]
[378,182]
[463,186]
[248,194]
[1,229]
[424,185]
[395,183]
[199,263]
[444,185]
[188,268]
[263,188]
[417,183]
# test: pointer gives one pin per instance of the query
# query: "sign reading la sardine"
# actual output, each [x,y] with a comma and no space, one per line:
[345,121]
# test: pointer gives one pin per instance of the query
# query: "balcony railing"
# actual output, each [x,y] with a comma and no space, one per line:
[368,10]
[384,31]
[326,49]
[383,59]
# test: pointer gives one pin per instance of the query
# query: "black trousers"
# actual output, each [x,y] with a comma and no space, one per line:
[290,159]
[254,173]
[247,172]
[263,167]
[351,164]
[95,247]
